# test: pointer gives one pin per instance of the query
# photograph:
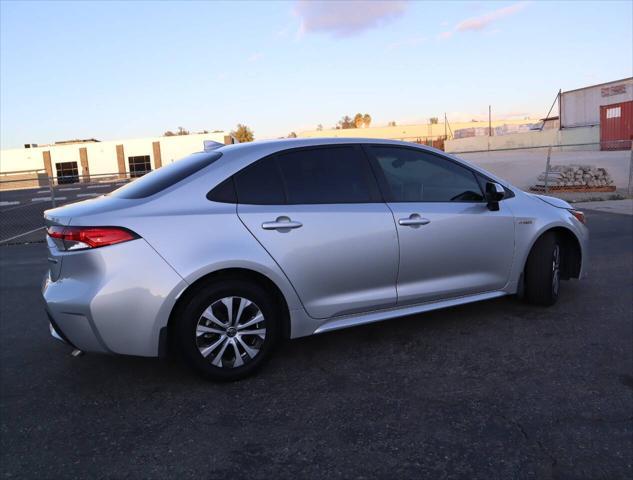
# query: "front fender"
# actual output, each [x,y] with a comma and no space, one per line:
[532,220]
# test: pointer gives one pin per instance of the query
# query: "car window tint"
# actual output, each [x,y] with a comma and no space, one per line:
[260,184]
[224,192]
[327,175]
[417,176]
[166,176]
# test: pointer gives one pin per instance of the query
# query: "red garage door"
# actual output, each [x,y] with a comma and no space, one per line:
[616,125]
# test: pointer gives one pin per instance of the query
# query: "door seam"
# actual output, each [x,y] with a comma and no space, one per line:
[395,226]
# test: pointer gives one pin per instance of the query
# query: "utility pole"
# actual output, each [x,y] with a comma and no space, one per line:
[489,120]
[489,125]
[445,136]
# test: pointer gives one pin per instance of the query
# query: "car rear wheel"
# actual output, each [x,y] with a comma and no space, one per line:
[542,271]
[227,329]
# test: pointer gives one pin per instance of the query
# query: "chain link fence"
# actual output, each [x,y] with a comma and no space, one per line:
[24,199]
[573,172]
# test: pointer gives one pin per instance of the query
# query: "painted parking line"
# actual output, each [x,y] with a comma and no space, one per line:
[66,189]
[46,199]
[80,195]
[42,191]
[98,186]
[6,204]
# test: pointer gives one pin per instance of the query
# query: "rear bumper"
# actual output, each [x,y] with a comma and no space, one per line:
[56,331]
[114,299]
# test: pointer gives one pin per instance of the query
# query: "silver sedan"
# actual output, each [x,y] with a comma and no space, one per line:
[219,255]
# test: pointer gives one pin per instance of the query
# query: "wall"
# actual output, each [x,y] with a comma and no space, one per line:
[406,132]
[530,139]
[102,155]
[582,107]
[522,167]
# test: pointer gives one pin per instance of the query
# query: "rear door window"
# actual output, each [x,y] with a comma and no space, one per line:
[260,184]
[328,175]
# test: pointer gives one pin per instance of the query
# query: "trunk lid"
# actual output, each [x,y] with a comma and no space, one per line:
[63,215]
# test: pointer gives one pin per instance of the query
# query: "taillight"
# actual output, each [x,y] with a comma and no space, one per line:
[77,238]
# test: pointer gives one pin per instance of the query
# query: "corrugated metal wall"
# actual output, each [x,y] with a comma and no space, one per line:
[579,108]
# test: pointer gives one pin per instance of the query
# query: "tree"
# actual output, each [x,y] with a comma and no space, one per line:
[358,120]
[169,133]
[292,135]
[182,131]
[243,134]
[320,127]
[392,124]
[346,122]
[367,120]
[433,120]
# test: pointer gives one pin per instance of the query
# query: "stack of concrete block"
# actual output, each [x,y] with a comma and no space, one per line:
[576,177]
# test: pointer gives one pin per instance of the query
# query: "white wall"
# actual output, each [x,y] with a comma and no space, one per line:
[531,139]
[522,167]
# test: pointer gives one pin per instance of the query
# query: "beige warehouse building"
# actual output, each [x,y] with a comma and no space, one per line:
[419,132]
[80,159]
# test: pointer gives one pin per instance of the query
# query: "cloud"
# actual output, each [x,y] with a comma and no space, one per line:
[484,21]
[346,18]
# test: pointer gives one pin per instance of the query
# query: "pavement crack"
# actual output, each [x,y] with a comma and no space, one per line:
[541,447]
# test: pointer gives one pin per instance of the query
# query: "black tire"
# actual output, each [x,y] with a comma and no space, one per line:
[542,271]
[190,343]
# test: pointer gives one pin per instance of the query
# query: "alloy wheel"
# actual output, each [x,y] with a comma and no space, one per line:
[230,332]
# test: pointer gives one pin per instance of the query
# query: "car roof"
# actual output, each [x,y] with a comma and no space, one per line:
[267,147]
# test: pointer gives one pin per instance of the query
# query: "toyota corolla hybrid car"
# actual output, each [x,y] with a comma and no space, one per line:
[222,253]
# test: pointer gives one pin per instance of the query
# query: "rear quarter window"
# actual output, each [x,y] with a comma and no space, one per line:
[165,177]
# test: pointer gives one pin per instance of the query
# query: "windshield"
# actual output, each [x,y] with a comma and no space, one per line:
[166,176]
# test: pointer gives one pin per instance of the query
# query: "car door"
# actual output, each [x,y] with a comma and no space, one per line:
[451,244]
[319,214]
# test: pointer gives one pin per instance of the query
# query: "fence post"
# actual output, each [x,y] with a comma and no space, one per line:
[52,190]
[630,189]
[549,155]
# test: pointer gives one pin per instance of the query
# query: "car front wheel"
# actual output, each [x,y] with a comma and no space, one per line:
[542,271]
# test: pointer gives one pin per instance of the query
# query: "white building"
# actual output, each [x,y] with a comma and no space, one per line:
[78,160]
[582,107]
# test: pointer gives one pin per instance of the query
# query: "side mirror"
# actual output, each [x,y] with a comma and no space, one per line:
[494,194]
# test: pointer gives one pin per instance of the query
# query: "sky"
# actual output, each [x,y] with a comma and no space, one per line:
[114,70]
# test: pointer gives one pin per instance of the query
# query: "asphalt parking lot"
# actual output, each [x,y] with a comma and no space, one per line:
[491,390]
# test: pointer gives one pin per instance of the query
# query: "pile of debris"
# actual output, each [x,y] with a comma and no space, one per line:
[575,178]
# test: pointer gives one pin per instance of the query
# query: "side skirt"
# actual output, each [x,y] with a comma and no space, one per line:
[362,319]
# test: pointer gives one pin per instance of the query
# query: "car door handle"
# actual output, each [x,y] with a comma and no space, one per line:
[413,221]
[281,223]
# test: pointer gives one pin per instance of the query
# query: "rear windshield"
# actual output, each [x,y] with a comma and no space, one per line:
[166,176]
